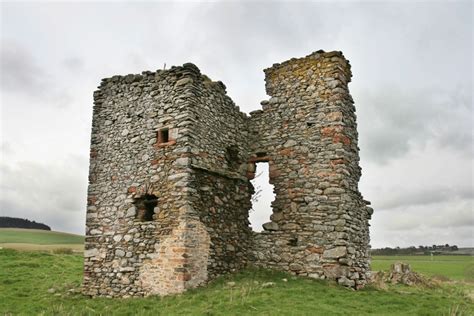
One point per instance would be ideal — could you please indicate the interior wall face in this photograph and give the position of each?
(218, 162)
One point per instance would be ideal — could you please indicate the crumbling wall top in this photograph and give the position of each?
(303, 69)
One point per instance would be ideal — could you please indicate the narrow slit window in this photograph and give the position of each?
(163, 136)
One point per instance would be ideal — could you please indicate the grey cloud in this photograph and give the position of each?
(6, 148)
(74, 64)
(393, 121)
(426, 196)
(424, 235)
(20, 71)
(446, 222)
(54, 194)
(59, 221)
(463, 216)
(453, 214)
(22, 78)
(236, 41)
(412, 89)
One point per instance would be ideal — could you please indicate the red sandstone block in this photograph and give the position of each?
(183, 277)
(314, 249)
(259, 159)
(335, 162)
(179, 250)
(91, 200)
(273, 173)
(334, 116)
(325, 174)
(341, 138)
(170, 143)
(286, 152)
(331, 130)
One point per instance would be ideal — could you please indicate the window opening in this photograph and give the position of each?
(145, 207)
(232, 157)
(163, 136)
(293, 241)
(262, 198)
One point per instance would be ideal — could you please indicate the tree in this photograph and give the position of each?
(258, 191)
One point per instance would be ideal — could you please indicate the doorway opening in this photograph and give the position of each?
(262, 198)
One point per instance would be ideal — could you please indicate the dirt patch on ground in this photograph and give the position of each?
(34, 247)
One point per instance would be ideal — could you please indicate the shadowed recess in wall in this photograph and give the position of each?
(146, 207)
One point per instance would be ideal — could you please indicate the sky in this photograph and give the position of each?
(412, 86)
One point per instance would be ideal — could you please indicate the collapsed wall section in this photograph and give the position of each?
(307, 133)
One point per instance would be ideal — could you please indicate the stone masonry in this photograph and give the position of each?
(171, 161)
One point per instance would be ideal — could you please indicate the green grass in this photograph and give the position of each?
(25, 278)
(39, 237)
(452, 267)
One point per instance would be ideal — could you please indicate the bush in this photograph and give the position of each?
(63, 251)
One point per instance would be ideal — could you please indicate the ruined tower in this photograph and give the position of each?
(169, 190)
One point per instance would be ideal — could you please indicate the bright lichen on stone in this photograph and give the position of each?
(174, 135)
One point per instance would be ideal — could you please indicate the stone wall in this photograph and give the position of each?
(307, 133)
(195, 171)
(169, 191)
(220, 192)
(126, 163)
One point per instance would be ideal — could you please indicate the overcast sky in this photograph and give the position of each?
(412, 85)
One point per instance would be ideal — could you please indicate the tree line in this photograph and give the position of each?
(414, 250)
(14, 222)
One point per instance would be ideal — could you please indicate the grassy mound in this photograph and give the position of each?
(34, 283)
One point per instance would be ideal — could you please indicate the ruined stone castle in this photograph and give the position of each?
(171, 161)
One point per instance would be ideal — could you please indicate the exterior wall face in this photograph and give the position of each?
(126, 163)
(174, 143)
(307, 132)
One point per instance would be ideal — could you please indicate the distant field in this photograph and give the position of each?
(453, 267)
(34, 239)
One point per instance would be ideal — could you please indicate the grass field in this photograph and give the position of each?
(452, 267)
(41, 283)
(26, 277)
(35, 239)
